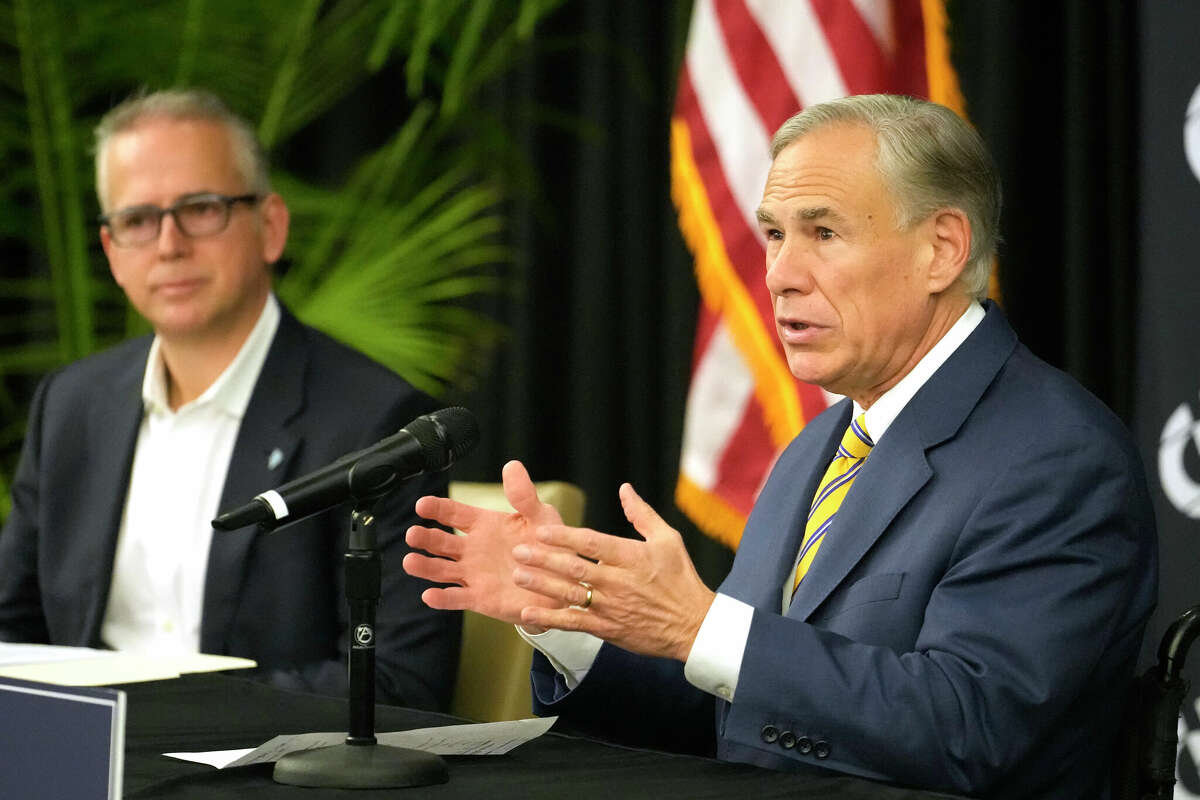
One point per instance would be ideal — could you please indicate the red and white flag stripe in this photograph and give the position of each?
(749, 65)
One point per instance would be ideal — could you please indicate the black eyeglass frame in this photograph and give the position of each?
(228, 201)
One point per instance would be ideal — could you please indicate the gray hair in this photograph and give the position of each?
(929, 158)
(249, 159)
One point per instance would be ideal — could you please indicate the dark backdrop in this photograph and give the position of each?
(590, 387)
(1052, 87)
(1168, 362)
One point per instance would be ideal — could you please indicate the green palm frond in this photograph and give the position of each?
(51, 132)
(387, 265)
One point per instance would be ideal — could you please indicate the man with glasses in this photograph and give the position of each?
(130, 453)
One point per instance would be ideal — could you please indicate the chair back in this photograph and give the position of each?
(1144, 766)
(493, 670)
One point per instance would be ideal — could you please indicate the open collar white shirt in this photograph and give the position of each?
(179, 465)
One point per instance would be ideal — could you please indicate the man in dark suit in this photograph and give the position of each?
(945, 579)
(130, 453)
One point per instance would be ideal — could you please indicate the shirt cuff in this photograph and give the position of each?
(715, 661)
(571, 653)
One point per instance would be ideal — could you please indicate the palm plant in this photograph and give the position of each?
(382, 260)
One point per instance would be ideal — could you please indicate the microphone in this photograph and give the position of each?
(429, 443)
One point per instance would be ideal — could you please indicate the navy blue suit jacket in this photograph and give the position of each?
(277, 598)
(972, 618)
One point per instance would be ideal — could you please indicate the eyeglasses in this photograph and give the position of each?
(195, 215)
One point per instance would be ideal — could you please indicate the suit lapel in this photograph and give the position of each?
(796, 508)
(262, 455)
(776, 525)
(112, 436)
(891, 475)
(898, 467)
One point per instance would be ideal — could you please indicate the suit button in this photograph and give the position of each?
(769, 734)
(787, 740)
(821, 749)
(804, 745)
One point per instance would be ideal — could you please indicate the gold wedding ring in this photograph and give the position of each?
(587, 601)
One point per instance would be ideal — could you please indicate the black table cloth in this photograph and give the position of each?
(221, 712)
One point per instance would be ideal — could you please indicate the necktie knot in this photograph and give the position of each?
(856, 442)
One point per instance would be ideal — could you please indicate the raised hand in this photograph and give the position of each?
(479, 566)
(645, 595)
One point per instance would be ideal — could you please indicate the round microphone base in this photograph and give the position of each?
(361, 766)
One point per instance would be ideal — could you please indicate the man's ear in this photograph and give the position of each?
(275, 221)
(951, 240)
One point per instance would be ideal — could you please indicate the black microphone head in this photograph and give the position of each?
(445, 436)
(255, 511)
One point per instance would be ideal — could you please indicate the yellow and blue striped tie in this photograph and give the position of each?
(855, 447)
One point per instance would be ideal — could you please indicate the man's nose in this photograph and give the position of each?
(788, 269)
(171, 240)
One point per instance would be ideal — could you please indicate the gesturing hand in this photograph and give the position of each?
(646, 596)
(479, 565)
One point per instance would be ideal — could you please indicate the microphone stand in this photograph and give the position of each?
(361, 762)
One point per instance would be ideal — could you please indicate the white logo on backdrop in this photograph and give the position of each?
(1181, 431)
(1181, 489)
(1191, 133)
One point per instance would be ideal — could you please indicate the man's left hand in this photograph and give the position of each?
(645, 595)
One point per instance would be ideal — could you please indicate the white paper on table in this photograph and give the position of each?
(14, 653)
(82, 666)
(474, 739)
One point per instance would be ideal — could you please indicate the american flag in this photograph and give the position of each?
(749, 65)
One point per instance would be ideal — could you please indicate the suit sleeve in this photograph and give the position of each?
(630, 699)
(21, 617)
(1042, 600)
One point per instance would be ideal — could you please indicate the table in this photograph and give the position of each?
(221, 712)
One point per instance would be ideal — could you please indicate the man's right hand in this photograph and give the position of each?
(479, 566)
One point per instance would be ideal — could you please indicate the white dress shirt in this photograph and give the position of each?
(715, 661)
(175, 483)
